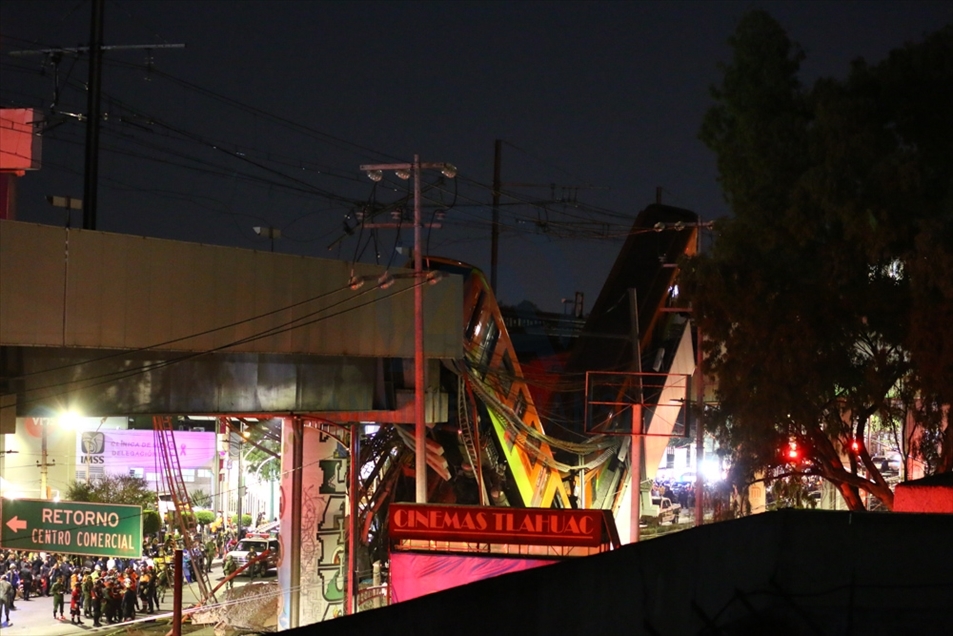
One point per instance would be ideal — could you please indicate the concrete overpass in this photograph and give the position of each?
(113, 324)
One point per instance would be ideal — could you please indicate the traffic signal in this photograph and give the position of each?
(855, 446)
(793, 452)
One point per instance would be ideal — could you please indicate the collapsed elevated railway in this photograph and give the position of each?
(634, 358)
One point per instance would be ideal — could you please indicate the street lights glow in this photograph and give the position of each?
(69, 419)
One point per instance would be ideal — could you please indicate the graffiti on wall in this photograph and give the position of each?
(323, 504)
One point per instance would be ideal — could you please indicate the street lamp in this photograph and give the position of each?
(405, 171)
(44, 463)
(269, 233)
(243, 435)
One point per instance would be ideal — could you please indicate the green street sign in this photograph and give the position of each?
(72, 527)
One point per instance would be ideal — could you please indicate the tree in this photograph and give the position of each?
(823, 301)
(263, 448)
(201, 499)
(151, 522)
(119, 489)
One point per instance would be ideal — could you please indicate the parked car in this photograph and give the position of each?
(260, 544)
(658, 510)
(887, 465)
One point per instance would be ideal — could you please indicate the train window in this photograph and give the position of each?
(474, 324)
(520, 406)
(509, 372)
(532, 450)
(489, 346)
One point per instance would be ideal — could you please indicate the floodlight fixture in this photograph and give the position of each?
(385, 280)
(355, 282)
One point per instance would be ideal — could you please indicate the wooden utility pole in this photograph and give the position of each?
(495, 231)
(93, 93)
(93, 101)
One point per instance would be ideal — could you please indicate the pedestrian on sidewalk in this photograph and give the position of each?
(210, 551)
(96, 598)
(75, 606)
(58, 589)
(228, 568)
(6, 598)
(87, 587)
(129, 601)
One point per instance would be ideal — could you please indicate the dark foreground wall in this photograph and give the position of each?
(787, 572)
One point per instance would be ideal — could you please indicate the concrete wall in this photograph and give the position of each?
(786, 572)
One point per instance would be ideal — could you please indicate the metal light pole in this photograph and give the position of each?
(45, 463)
(241, 478)
(420, 425)
(699, 421)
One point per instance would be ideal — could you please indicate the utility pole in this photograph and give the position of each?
(93, 99)
(700, 388)
(93, 95)
(405, 170)
(241, 477)
(495, 232)
(635, 517)
(45, 463)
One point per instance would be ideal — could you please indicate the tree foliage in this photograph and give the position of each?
(151, 522)
(113, 489)
(826, 301)
(201, 499)
(262, 445)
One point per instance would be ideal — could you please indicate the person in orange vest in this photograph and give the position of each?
(129, 601)
(76, 599)
(132, 579)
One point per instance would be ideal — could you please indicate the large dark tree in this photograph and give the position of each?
(826, 301)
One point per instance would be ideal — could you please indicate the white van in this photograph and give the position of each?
(240, 553)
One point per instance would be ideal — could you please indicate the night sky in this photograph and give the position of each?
(266, 114)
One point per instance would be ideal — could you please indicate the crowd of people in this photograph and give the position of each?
(95, 588)
(108, 590)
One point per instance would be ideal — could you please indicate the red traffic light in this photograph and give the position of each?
(793, 453)
(855, 446)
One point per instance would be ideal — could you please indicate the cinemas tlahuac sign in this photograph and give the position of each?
(525, 526)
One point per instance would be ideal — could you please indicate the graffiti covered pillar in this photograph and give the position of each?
(312, 563)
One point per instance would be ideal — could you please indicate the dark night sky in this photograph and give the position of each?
(295, 95)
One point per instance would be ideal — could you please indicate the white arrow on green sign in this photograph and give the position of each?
(71, 527)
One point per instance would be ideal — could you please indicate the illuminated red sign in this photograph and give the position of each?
(525, 526)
